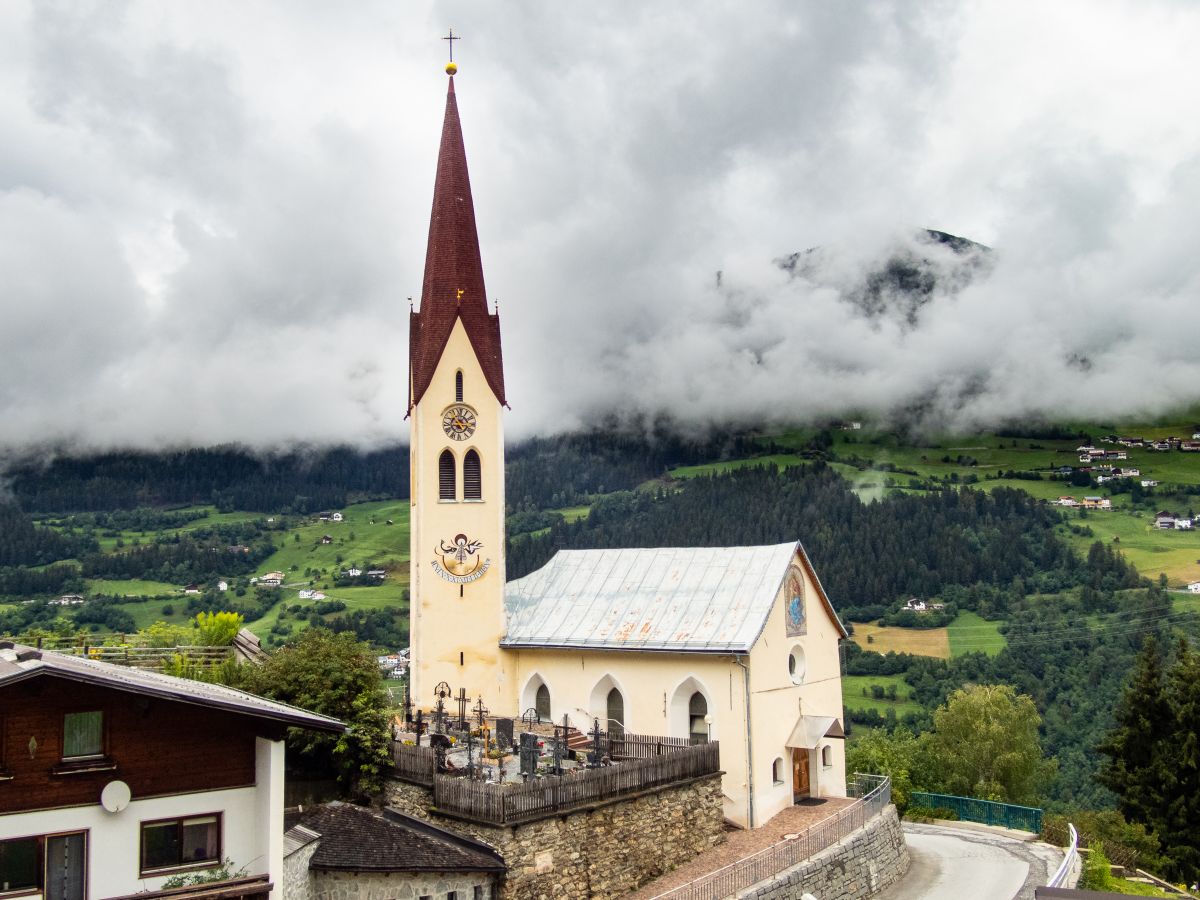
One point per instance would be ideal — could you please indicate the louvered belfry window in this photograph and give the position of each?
(447, 488)
(458, 393)
(472, 477)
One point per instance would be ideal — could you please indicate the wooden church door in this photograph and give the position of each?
(800, 785)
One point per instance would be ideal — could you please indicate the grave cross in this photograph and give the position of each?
(481, 712)
(462, 702)
(594, 756)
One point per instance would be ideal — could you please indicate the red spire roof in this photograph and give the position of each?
(453, 287)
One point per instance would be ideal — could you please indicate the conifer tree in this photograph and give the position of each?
(1180, 826)
(1137, 770)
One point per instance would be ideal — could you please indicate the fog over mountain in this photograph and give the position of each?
(212, 215)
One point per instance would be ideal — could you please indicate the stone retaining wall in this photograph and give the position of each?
(857, 867)
(604, 852)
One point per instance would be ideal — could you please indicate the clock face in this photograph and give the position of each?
(794, 598)
(459, 422)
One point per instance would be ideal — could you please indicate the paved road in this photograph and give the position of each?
(953, 864)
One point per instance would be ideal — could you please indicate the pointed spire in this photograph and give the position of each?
(453, 286)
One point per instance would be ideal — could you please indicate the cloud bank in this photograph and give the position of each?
(212, 216)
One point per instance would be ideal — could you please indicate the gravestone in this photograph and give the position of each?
(529, 754)
(504, 733)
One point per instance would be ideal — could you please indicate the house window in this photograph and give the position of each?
(472, 477)
(777, 771)
(447, 483)
(21, 864)
(458, 394)
(174, 843)
(827, 756)
(53, 865)
(477, 892)
(698, 719)
(451, 895)
(83, 734)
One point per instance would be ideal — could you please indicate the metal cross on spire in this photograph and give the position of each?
(451, 37)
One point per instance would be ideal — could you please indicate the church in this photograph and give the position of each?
(735, 644)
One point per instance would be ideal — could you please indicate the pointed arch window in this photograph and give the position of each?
(542, 703)
(447, 482)
(458, 390)
(698, 719)
(616, 714)
(472, 477)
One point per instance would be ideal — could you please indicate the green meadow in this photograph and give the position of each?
(969, 632)
(853, 697)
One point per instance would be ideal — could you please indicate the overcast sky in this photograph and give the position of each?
(212, 214)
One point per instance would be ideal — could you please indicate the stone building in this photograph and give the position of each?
(342, 852)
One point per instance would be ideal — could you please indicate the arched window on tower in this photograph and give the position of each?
(472, 477)
(447, 486)
(458, 395)
(542, 703)
(698, 719)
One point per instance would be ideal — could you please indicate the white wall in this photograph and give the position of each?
(114, 839)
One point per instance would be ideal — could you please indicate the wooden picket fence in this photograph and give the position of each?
(513, 804)
(643, 746)
(415, 764)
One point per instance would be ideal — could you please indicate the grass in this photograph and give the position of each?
(970, 632)
(1153, 551)
(918, 641)
(853, 697)
(134, 588)
(782, 460)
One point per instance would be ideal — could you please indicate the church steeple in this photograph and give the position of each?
(453, 287)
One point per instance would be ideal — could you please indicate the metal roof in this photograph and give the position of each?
(18, 663)
(691, 599)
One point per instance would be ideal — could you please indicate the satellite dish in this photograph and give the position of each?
(115, 796)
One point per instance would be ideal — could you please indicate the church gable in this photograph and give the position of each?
(801, 597)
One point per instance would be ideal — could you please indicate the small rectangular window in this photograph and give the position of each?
(172, 843)
(21, 864)
(451, 895)
(83, 734)
(478, 894)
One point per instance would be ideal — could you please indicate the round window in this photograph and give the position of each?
(796, 665)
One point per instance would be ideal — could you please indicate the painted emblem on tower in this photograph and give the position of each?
(459, 561)
(794, 598)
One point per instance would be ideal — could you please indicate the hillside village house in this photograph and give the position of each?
(731, 644)
(1194, 587)
(113, 779)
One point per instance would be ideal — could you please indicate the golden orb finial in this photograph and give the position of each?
(451, 68)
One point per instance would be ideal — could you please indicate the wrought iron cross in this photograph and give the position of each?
(451, 37)
(481, 712)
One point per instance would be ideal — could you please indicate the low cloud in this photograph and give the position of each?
(211, 219)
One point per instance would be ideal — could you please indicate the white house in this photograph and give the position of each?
(222, 586)
(116, 779)
(1183, 524)
(337, 517)
(1065, 501)
(1149, 482)
(1194, 587)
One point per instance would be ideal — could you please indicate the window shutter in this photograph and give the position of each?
(472, 477)
(447, 488)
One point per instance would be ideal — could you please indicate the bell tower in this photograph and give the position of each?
(456, 398)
